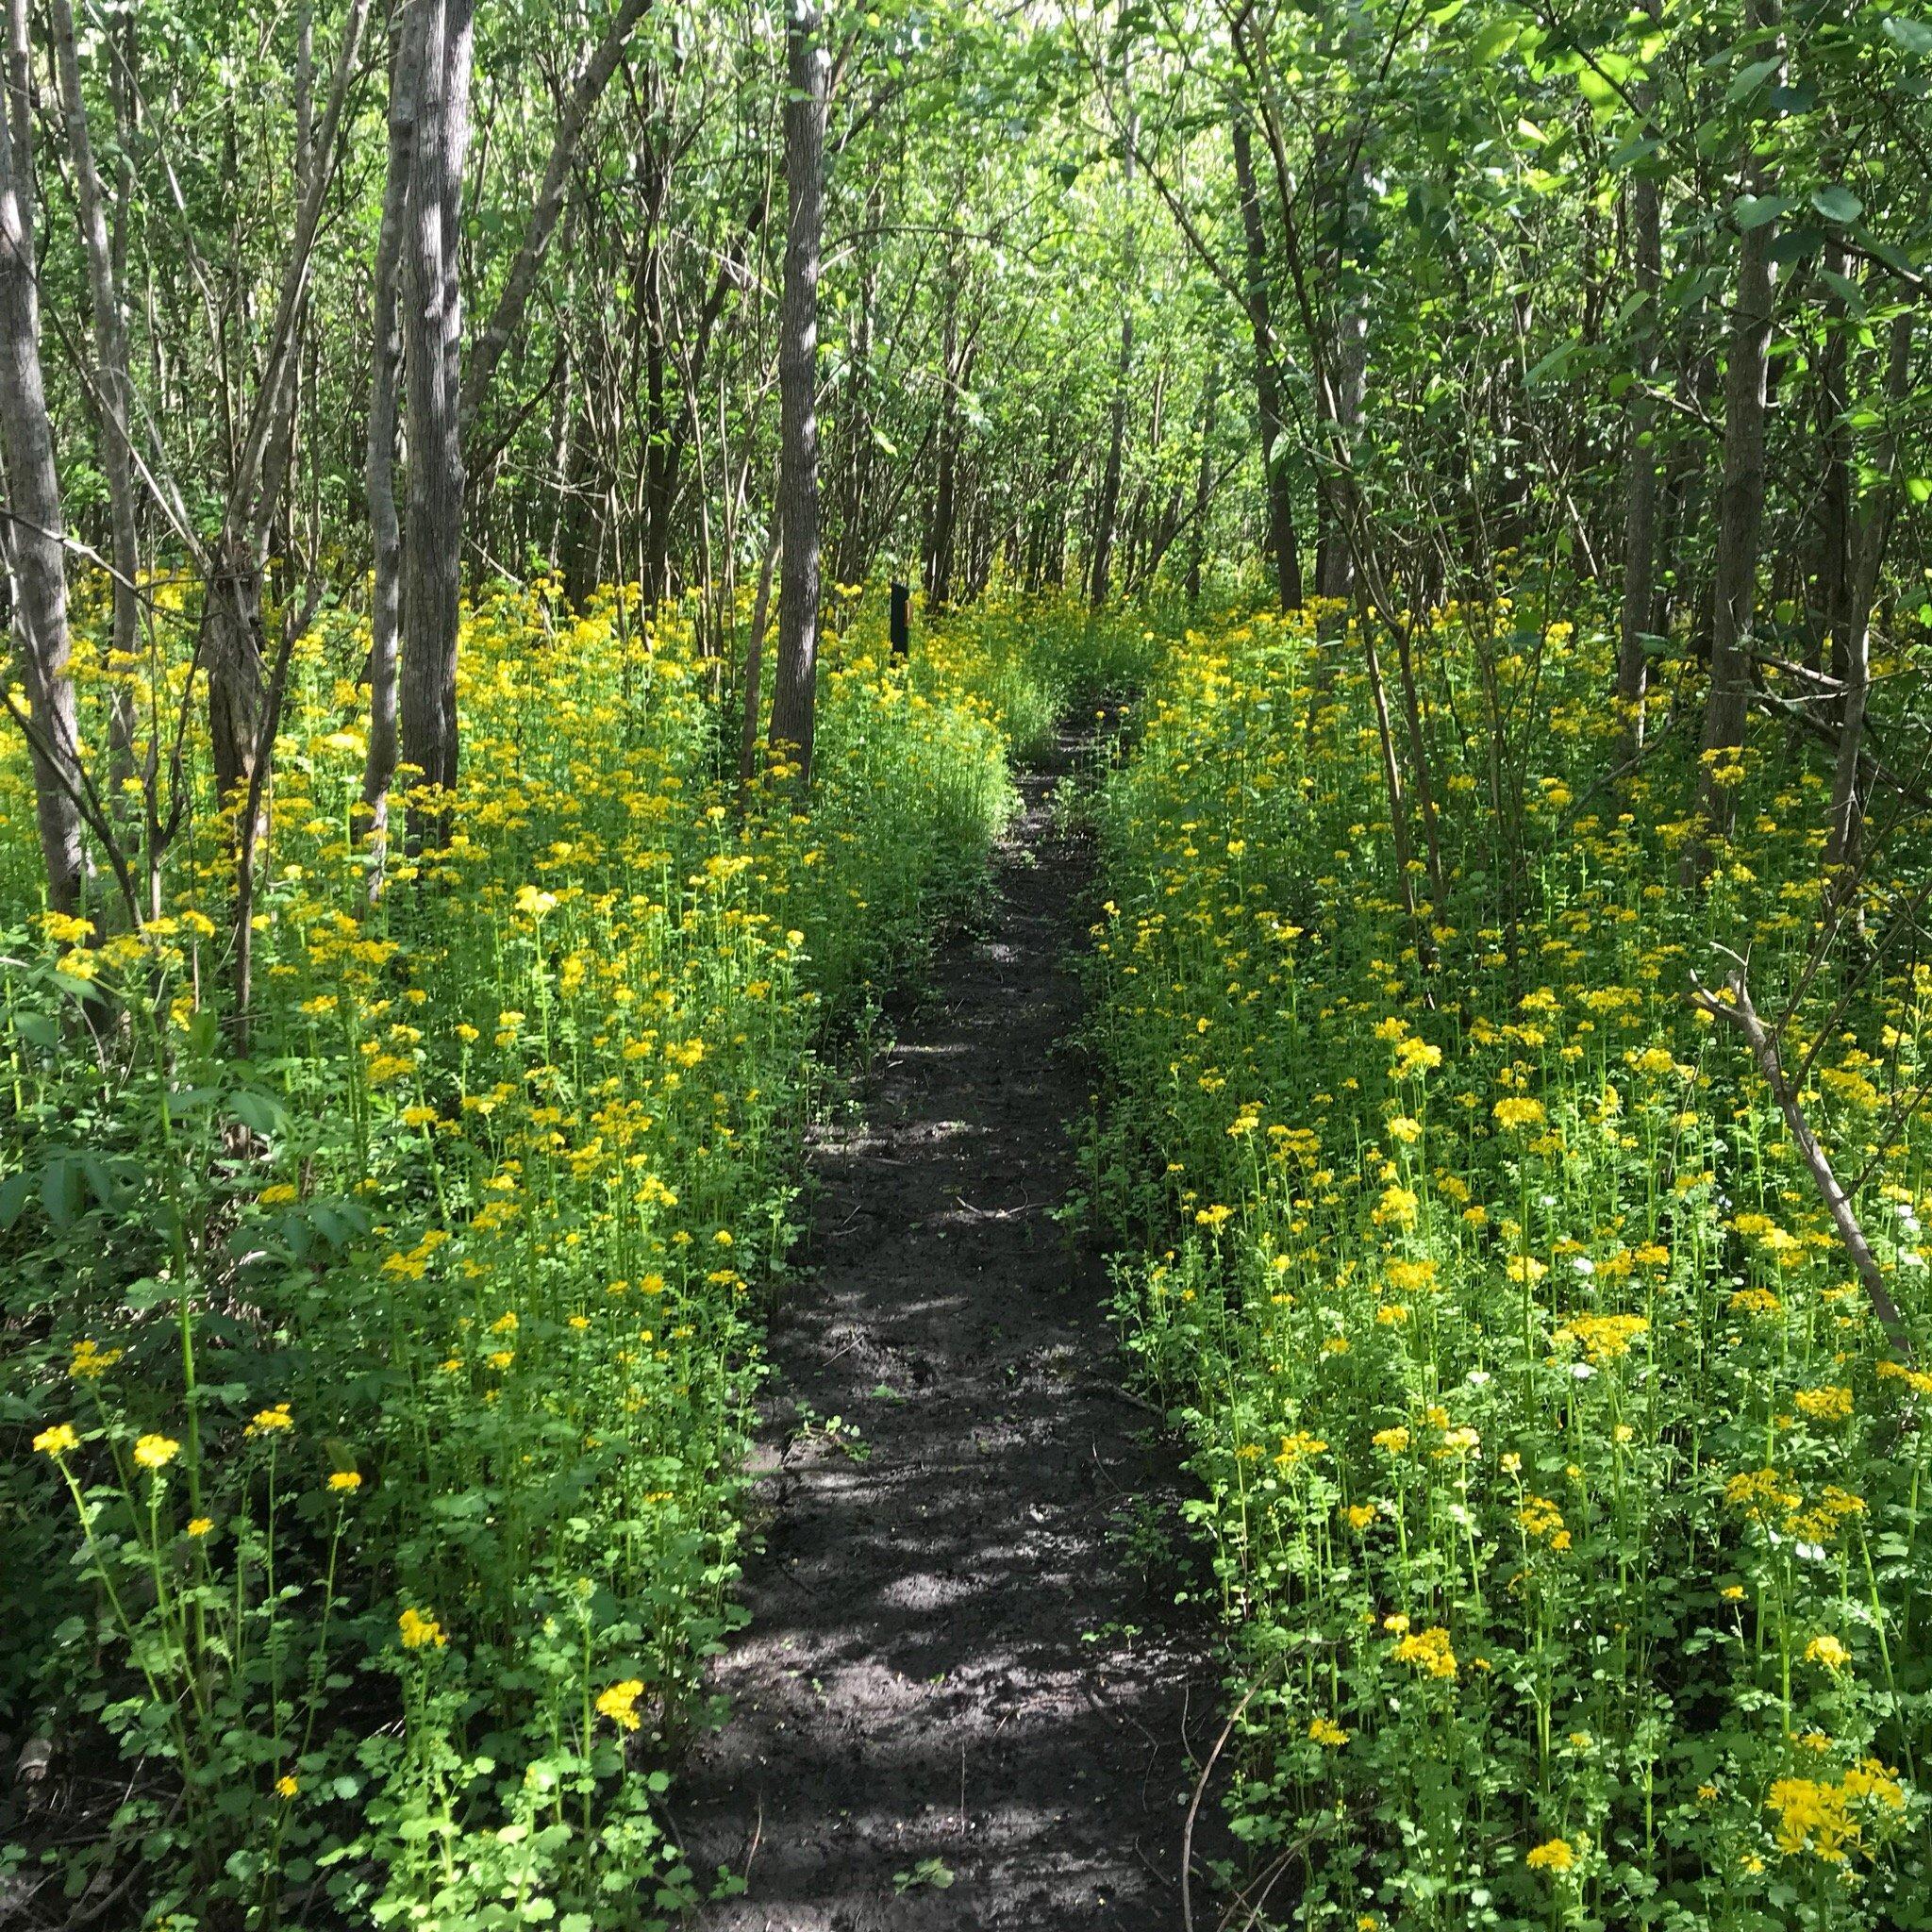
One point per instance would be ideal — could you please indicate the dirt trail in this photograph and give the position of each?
(955, 1652)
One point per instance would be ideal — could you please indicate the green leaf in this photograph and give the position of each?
(261, 1113)
(1914, 36)
(1596, 90)
(14, 1192)
(62, 1187)
(1637, 148)
(38, 1029)
(1495, 41)
(1553, 364)
(1753, 77)
(1753, 210)
(1837, 204)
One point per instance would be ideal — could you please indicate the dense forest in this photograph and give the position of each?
(580, 573)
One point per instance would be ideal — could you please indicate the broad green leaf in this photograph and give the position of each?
(1753, 210)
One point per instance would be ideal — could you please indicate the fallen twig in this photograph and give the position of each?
(1194, 1804)
(1738, 1012)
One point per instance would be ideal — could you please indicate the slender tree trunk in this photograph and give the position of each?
(1204, 480)
(379, 458)
(1846, 829)
(1351, 378)
(940, 544)
(1640, 480)
(231, 649)
(1835, 565)
(1392, 769)
(807, 67)
(755, 666)
(1741, 512)
(35, 531)
(114, 393)
(854, 551)
(432, 570)
(1284, 547)
(1107, 503)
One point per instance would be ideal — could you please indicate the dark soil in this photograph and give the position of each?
(963, 1642)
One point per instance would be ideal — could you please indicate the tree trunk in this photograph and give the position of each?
(114, 393)
(1204, 481)
(380, 461)
(755, 667)
(1846, 829)
(939, 541)
(1641, 482)
(231, 651)
(1740, 514)
(35, 533)
(1832, 618)
(1106, 505)
(807, 68)
(1283, 546)
(433, 536)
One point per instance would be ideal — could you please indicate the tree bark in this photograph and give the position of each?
(35, 531)
(1284, 547)
(807, 67)
(433, 536)
(1204, 480)
(1832, 618)
(1741, 512)
(1107, 503)
(755, 667)
(941, 541)
(1640, 480)
(1846, 829)
(113, 389)
(385, 530)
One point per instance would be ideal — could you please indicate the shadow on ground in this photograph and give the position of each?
(959, 1651)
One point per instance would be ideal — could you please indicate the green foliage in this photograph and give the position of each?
(1562, 1488)
(392, 1388)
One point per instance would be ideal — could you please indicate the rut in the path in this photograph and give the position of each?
(958, 1652)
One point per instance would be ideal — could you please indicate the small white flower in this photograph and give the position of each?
(1582, 1371)
(1584, 1265)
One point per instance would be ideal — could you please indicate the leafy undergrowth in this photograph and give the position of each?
(1564, 1488)
(391, 1386)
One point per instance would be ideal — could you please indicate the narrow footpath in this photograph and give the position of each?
(965, 1698)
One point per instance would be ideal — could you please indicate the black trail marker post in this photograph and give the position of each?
(902, 622)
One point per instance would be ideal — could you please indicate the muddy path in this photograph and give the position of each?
(964, 1644)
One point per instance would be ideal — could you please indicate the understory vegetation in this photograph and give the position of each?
(1564, 1484)
(391, 1385)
